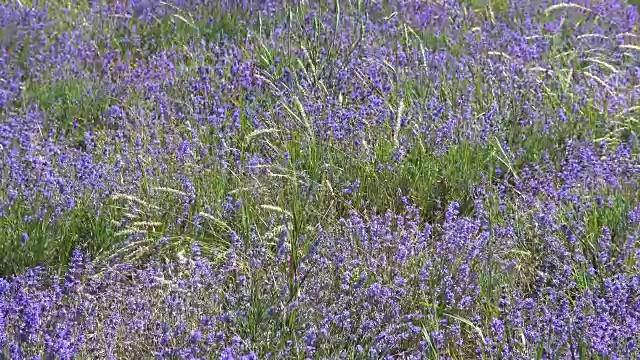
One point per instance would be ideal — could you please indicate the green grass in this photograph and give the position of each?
(72, 105)
(52, 243)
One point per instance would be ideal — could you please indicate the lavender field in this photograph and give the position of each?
(319, 179)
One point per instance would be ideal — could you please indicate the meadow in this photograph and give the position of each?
(319, 179)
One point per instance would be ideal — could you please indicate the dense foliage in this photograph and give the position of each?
(362, 179)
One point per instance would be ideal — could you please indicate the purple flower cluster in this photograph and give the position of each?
(382, 286)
